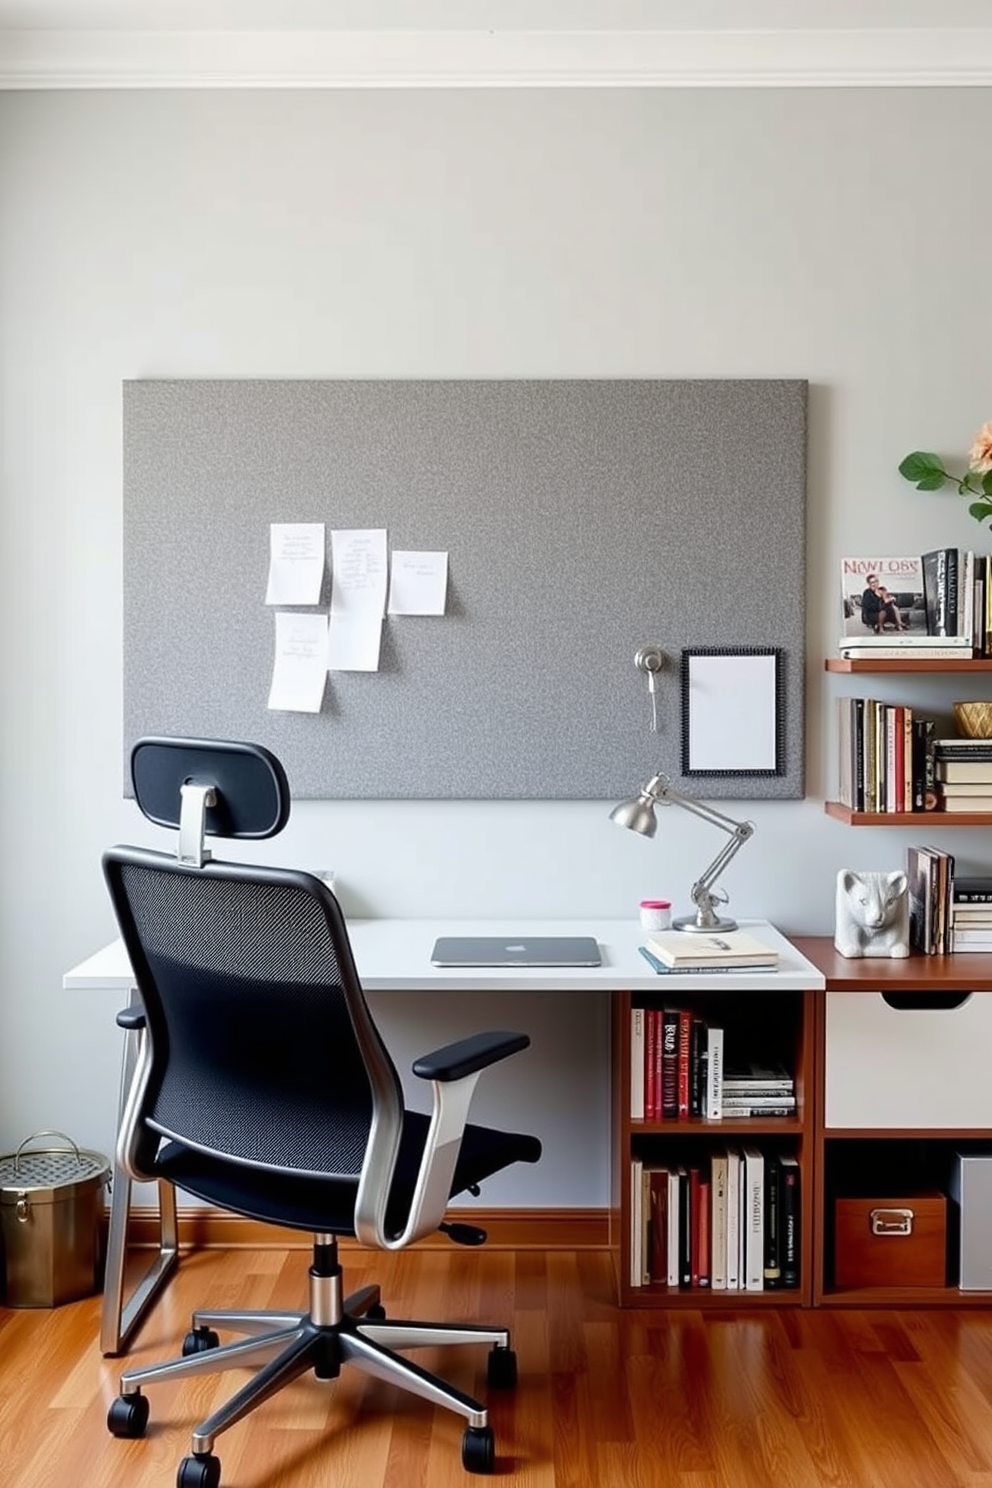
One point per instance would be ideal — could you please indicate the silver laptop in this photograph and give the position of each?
(522, 950)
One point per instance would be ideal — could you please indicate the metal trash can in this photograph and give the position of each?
(51, 1223)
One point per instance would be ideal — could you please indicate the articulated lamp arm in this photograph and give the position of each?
(639, 815)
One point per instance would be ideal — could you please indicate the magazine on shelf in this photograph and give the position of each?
(883, 598)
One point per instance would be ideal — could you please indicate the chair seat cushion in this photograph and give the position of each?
(302, 1202)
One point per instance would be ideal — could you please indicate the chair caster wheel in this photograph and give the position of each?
(501, 1369)
(128, 1416)
(376, 1313)
(199, 1472)
(199, 1340)
(478, 1450)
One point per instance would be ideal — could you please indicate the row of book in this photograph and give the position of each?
(936, 604)
(948, 913)
(678, 1072)
(731, 1223)
(890, 760)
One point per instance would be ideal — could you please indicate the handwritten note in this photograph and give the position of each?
(296, 563)
(300, 670)
(358, 598)
(418, 583)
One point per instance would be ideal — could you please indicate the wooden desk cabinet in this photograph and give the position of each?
(893, 1078)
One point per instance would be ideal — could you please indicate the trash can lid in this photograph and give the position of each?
(43, 1170)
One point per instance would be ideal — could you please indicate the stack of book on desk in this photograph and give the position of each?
(971, 913)
(733, 950)
(758, 1090)
(963, 774)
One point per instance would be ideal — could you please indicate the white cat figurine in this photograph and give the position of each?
(872, 914)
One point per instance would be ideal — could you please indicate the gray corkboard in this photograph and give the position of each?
(582, 518)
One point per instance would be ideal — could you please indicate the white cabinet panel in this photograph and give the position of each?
(922, 1067)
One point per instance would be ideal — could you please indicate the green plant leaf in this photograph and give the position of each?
(987, 482)
(980, 510)
(932, 482)
(921, 466)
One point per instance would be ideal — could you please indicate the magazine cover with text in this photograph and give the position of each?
(882, 596)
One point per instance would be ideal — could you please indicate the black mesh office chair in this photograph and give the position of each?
(262, 1086)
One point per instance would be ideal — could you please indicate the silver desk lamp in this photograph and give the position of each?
(639, 816)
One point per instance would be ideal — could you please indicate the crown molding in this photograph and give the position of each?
(799, 58)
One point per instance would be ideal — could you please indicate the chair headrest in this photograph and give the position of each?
(251, 792)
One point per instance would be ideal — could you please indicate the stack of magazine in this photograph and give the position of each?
(934, 605)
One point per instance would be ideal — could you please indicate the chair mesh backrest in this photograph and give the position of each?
(252, 1000)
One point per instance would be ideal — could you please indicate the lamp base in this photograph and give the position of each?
(713, 926)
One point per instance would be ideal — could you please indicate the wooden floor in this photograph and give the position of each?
(633, 1399)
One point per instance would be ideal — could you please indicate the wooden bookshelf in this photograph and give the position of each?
(908, 664)
(790, 1018)
(930, 819)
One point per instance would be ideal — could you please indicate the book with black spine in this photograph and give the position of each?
(972, 888)
(791, 1216)
(924, 794)
(743, 1074)
(697, 1066)
(773, 1231)
(940, 589)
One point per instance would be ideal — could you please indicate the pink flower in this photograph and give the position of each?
(980, 458)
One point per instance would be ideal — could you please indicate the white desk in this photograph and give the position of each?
(394, 956)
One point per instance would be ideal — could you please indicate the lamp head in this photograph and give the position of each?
(637, 814)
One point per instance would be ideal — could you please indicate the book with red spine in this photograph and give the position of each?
(670, 1063)
(652, 1095)
(684, 1063)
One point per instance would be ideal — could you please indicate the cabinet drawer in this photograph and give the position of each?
(907, 1067)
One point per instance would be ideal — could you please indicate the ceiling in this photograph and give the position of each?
(480, 43)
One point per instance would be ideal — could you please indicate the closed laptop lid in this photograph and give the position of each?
(520, 950)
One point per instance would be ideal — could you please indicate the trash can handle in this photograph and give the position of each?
(35, 1137)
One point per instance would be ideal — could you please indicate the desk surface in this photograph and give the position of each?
(394, 956)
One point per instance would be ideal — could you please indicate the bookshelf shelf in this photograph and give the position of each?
(908, 664)
(730, 1128)
(930, 819)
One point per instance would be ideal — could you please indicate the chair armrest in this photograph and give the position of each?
(454, 1072)
(469, 1055)
(131, 1018)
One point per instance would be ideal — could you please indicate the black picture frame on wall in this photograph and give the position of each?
(733, 711)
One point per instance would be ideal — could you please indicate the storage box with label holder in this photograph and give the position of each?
(890, 1242)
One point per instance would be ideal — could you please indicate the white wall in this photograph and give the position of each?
(840, 236)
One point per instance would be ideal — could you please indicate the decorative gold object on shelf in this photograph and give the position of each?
(974, 720)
